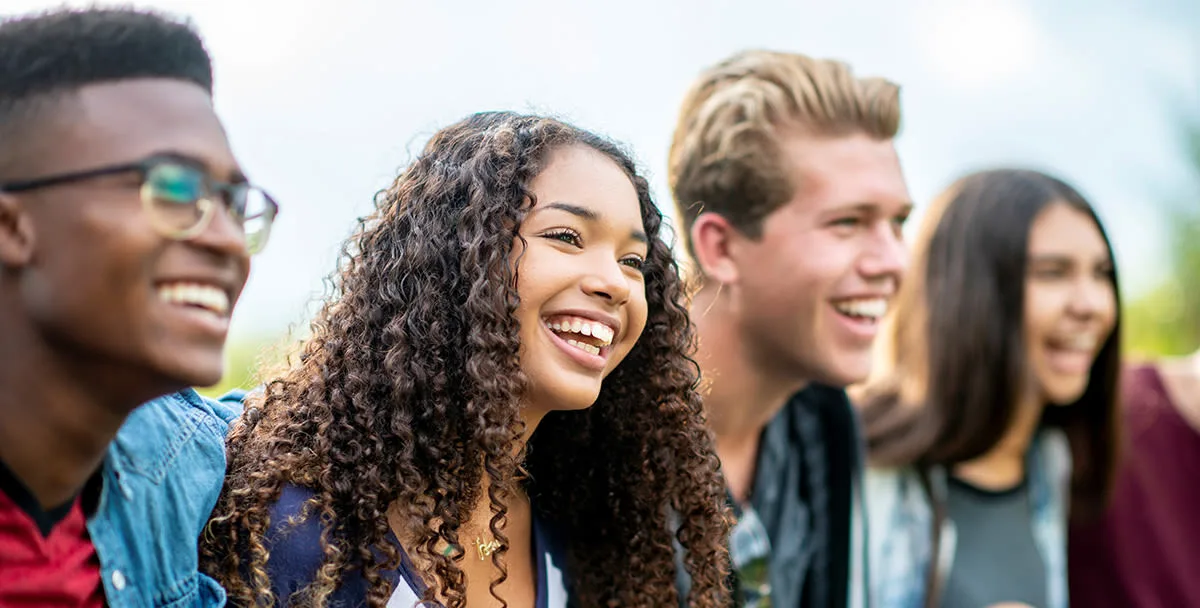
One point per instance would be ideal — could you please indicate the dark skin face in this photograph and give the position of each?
(89, 333)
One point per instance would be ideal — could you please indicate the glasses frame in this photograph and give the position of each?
(207, 203)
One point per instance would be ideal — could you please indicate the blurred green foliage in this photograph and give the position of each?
(1165, 320)
(244, 358)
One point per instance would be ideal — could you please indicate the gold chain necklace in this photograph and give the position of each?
(484, 550)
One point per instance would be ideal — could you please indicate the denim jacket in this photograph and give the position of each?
(161, 479)
(900, 518)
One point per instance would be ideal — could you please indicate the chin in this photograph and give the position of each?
(198, 371)
(575, 402)
(567, 398)
(847, 372)
(1065, 395)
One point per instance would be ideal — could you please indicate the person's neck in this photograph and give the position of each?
(1003, 466)
(476, 529)
(740, 398)
(57, 415)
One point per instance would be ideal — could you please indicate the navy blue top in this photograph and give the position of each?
(295, 556)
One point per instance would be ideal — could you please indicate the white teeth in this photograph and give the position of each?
(575, 325)
(872, 308)
(1082, 342)
(207, 297)
(587, 348)
(603, 333)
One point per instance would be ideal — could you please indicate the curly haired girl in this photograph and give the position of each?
(497, 406)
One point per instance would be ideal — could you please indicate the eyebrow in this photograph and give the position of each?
(1050, 258)
(1062, 259)
(872, 208)
(591, 215)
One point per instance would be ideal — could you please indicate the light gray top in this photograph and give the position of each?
(996, 557)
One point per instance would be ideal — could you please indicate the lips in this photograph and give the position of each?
(1072, 353)
(585, 336)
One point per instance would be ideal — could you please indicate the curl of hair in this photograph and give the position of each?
(406, 400)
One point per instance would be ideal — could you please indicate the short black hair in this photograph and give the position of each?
(47, 55)
(67, 49)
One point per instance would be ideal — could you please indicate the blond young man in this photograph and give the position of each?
(789, 188)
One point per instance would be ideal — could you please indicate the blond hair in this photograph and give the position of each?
(725, 155)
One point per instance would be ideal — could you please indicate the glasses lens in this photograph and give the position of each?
(171, 192)
(259, 212)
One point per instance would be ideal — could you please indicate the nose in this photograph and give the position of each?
(223, 236)
(887, 257)
(607, 280)
(1091, 296)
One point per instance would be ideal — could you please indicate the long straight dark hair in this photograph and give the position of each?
(954, 357)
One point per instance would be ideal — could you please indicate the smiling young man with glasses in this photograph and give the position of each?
(126, 229)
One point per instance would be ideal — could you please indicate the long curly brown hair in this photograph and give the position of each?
(407, 396)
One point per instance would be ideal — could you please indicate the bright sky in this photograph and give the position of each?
(325, 101)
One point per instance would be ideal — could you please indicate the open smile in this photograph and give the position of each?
(862, 315)
(204, 304)
(586, 341)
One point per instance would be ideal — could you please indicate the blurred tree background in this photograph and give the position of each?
(1165, 320)
(243, 359)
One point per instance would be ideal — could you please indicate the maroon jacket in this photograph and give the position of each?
(1145, 552)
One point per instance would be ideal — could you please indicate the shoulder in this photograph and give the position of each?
(185, 407)
(897, 500)
(889, 485)
(293, 542)
(182, 428)
(162, 476)
(294, 535)
(1143, 390)
(1158, 396)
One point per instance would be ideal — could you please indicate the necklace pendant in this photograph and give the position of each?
(486, 549)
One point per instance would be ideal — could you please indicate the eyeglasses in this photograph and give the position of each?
(181, 199)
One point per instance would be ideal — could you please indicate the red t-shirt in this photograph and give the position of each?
(47, 559)
(1145, 552)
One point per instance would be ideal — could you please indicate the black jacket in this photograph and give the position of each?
(807, 493)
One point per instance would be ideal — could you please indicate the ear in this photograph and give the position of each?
(712, 239)
(16, 233)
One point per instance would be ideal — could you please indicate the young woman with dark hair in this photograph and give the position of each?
(991, 420)
(496, 407)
